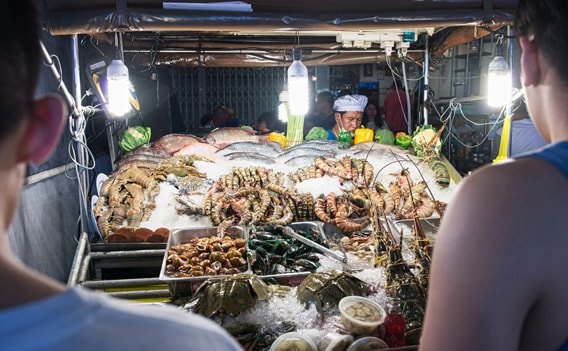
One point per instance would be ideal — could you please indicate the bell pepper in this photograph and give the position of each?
(277, 137)
(404, 141)
(363, 135)
(345, 138)
(400, 134)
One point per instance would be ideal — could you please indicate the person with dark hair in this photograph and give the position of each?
(37, 312)
(395, 108)
(224, 117)
(324, 109)
(206, 120)
(324, 115)
(372, 117)
(497, 280)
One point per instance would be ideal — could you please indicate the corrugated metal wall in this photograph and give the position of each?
(249, 91)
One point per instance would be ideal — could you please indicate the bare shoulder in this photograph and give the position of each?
(517, 204)
(495, 255)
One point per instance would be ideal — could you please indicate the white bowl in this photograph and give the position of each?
(368, 343)
(293, 342)
(372, 314)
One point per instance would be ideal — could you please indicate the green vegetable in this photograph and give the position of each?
(384, 136)
(345, 139)
(404, 141)
(424, 137)
(317, 133)
(134, 137)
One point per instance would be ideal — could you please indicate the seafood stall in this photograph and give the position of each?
(288, 244)
(270, 241)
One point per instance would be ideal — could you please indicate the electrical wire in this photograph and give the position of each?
(397, 94)
(393, 71)
(453, 109)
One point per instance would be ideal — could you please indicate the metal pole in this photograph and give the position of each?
(408, 116)
(426, 80)
(510, 44)
(81, 151)
(62, 86)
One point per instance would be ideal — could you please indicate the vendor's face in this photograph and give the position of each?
(350, 120)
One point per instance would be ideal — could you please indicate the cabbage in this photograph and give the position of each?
(384, 136)
(422, 137)
(317, 133)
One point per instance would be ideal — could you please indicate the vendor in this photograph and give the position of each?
(348, 114)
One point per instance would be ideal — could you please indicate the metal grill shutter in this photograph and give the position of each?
(248, 91)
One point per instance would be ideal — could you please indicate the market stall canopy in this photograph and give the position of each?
(181, 36)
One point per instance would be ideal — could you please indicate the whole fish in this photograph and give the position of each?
(250, 156)
(301, 161)
(248, 146)
(201, 149)
(295, 152)
(172, 143)
(223, 136)
(370, 145)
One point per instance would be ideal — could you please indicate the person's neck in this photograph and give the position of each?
(20, 284)
(554, 103)
(335, 130)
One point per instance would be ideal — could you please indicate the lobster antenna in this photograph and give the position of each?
(422, 176)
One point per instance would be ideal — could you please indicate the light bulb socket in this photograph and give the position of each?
(297, 54)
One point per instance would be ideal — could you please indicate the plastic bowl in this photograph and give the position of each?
(360, 315)
(368, 343)
(335, 342)
(293, 342)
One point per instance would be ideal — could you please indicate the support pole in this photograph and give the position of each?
(66, 94)
(82, 155)
(426, 80)
(408, 109)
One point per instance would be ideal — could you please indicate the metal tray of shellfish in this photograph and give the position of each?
(195, 255)
(295, 278)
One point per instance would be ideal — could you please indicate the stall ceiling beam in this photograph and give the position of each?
(159, 20)
(312, 7)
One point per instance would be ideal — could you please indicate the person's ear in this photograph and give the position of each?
(530, 63)
(337, 118)
(44, 129)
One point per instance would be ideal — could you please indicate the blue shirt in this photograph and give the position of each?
(557, 155)
(330, 135)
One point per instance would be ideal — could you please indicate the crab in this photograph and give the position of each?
(327, 288)
(231, 295)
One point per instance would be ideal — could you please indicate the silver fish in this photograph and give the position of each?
(247, 146)
(369, 145)
(285, 156)
(320, 145)
(301, 161)
(250, 156)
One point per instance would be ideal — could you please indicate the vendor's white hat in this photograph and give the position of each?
(350, 103)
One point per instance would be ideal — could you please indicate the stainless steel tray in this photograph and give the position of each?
(187, 285)
(295, 278)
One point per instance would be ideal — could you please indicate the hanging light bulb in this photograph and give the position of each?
(499, 84)
(118, 89)
(298, 86)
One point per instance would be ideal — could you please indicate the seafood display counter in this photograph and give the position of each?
(266, 240)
